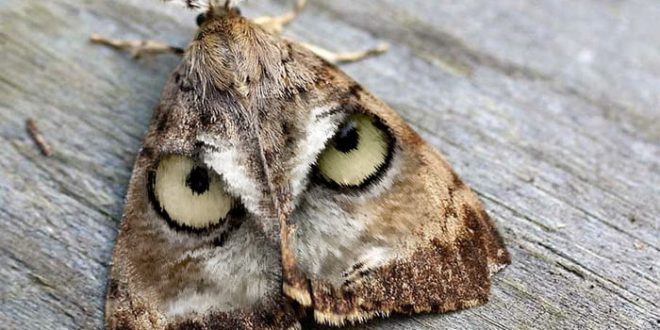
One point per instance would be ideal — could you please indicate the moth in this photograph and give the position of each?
(271, 186)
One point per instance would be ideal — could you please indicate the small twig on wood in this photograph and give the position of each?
(32, 129)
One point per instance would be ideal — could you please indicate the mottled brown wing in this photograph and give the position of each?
(165, 275)
(176, 265)
(414, 239)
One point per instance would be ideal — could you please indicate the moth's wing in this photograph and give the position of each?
(166, 276)
(150, 290)
(417, 239)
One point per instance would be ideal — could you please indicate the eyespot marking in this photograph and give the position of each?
(187, 194)
(357, 155)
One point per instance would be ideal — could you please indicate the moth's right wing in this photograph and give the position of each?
(387, 226)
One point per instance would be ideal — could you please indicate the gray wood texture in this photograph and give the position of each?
(549, 109)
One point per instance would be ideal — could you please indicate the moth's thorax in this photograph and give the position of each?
(230, 53)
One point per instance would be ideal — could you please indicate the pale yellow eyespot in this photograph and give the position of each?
(189, 194)
(357, 152)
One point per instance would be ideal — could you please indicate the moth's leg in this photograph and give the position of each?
(345, 57)
(275, 24)
(137, 48)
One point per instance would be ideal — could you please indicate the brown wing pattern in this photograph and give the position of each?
(435, 246)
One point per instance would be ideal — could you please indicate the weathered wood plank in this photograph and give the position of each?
(549, 109)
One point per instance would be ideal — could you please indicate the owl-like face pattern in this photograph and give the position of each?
(265, 167)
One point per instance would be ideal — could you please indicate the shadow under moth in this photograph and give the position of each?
(271, 186)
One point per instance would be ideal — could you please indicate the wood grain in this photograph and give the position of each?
(549, 109)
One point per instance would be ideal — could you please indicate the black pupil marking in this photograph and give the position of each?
(198, 180)
(347, 138)
(200, 19)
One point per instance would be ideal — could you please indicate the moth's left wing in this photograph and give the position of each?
(188, 254)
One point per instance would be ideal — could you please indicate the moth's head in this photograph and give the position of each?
(213, 13)
(215, 6)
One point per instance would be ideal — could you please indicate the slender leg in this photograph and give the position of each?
(137, 48)
(347, 57)
(275, 24)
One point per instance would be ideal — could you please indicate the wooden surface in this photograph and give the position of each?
(550, 109)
